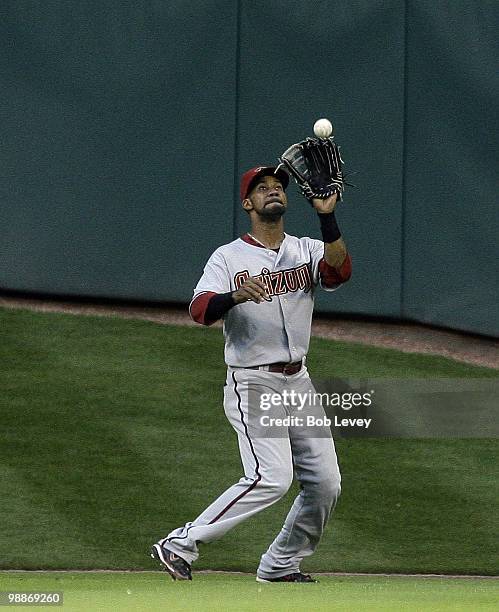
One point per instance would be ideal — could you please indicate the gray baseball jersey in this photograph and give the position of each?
(277, 330)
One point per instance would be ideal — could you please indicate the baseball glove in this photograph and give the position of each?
(316, 166)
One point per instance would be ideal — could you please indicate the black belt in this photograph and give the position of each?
(281, 367)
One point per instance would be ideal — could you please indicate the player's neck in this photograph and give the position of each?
(268, 234)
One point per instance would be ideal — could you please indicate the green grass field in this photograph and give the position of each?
(222, 593)
(112, 433)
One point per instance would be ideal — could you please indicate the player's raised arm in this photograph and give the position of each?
(317, 167)
(335, 250)
(335, 265)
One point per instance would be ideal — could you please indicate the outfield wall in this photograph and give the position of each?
(126, 124)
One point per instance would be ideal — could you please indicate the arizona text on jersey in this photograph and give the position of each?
(277, 330)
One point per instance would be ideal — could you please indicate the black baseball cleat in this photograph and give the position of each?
(177, 567)
(295, 577)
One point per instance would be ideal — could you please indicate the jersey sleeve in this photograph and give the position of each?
(214, 280)
(324, 275)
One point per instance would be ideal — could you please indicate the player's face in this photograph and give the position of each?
(267, 198)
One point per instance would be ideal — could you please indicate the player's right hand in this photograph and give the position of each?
(252, 290)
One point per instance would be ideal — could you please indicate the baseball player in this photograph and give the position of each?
(262, 285)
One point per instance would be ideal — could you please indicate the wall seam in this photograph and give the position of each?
(404, 162)
(235, 198)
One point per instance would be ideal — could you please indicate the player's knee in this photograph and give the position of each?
(329, 489)
(283, 485)
(277, 487)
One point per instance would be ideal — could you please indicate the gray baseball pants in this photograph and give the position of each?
(268, 464)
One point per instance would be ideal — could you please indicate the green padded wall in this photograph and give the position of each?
(451, 254)
(117, 153)
(125, 126)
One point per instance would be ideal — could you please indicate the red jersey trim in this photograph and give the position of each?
(198, 306)
(335, 276)
(247, 238)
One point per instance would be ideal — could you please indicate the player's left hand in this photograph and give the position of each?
(325, 206)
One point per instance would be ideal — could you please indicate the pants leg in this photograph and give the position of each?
(267, 463)
(317, 470)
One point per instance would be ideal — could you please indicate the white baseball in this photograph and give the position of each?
(323, 128)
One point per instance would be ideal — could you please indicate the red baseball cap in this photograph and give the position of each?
(250, 176)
